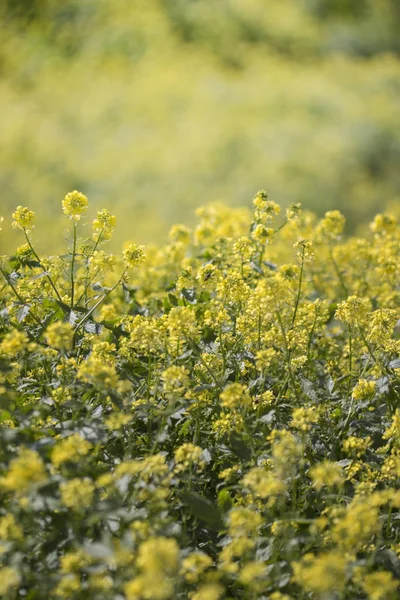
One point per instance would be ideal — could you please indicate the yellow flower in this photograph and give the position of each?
(23, 218)
(304, 418)
(14, 343)
(93, 370)
(305, 250)
(117, 420)
(74, 205)
(353, 311)
(333, 223)
(188, 454)
(9, 580)
(77, 493)
(250, 573)
(103, 225)
(158, 555)
(133, 255)
(326, 474)
(321, 574)
(355, 446)
(25, 472)
(380, 585)
(357, 526)
(68, 586)
(235, 396)
(74, 561)
(194, 565)
(262, 234)
(60, 335)
(243, 521)
(70, 449)
(383, 224)
(364, 389)
(9, 528)
(175, 378)
(264, 484)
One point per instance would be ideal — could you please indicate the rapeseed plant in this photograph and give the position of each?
(218, 418)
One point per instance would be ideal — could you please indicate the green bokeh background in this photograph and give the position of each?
(154, 107)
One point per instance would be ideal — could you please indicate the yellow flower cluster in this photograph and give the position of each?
(223, 422)
(74, 205)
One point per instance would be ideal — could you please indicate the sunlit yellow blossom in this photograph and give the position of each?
(68, 586)
(194, 565)
(9, 528)
(357, 526)
(103, 225)
(304, 250)
(77, 493)
(262, 234)
(235, 396)
(118, 420)
(364, 389)
(25, 472)
(383, 223)
(74, 561)
(101, 261)
(326, 474)
(179, 233)
(94, 370)
(250, 572)
(264, 484)
(208, 591)
(354, 310)
(304, 418)
(13, 343)
(321, 574)
(9, 580)
(70, 449)
(188, 454)
(74, 205)
(333, 223)
(23, 218)
(59, 335)
(355, 446)
(175, 378)
(380, 585)
(243, 521)
(133, 255)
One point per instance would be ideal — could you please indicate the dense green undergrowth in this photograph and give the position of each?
(214, 418)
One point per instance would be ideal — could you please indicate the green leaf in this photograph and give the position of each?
(225, 501)
(203, 509)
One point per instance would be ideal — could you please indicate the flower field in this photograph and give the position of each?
(215, 418)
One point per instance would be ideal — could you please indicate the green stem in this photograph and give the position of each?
(100, 301)
(42, 267)
(17, 294)
(72, 268)
(296, 307)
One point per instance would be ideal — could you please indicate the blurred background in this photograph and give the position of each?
(154, 107)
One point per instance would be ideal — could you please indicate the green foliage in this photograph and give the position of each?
(155, 107)
(218, 417)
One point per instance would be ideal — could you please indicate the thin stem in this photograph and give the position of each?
(338, 271)
(42, 267)
(17, 294)
(91, 311)
(296, 307)
(72, 268)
